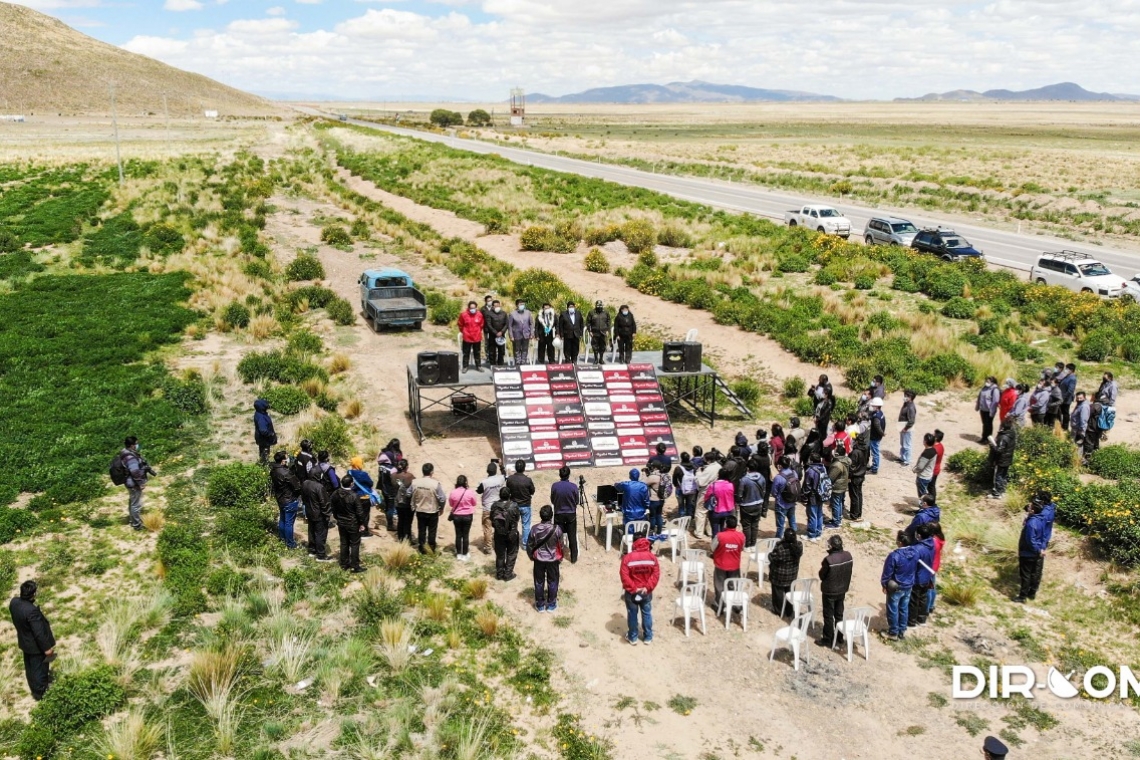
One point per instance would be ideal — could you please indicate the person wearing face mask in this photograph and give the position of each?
(496, 323)
(471, 326)
(485, 310)
(599, 324)
(625, 329)
(570, 331)
(521, 328)
(545, 326)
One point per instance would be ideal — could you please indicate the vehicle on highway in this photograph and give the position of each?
(946, 244)
(389, 298)
(821, 219)
(889, 230)
(1133, 287)
(1079, 272)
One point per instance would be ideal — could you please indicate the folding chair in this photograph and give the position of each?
(800, 598)
(759, 554)
(677, 532)
(631, 530)
(737, 593)
(793, 636)
(691, 604)
(693, 564)
(856, 622)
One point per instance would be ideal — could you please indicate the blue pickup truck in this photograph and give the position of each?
(389, 298)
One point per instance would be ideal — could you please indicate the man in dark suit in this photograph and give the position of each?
(570, 328)
(34, 636)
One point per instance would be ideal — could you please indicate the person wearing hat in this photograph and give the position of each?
(876, 433)
(599, 326)
(835, 582)
(34, 637)
(570, 328)
(994, 749)
(634, 499)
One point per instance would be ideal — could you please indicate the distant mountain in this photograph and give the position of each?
(1063, 91)
(680, 92)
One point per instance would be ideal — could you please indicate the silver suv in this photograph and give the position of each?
(889, 230)
(1077, 272)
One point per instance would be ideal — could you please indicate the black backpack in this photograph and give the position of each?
(792, 489)
(119, 472)
(500, 518)
(301, 466)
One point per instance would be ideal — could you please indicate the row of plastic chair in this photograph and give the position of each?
(676, 533)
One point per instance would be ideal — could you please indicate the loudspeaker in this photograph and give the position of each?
(448, 367)
(692, 357)
(427, 368)
(464, 405)
(673, 357)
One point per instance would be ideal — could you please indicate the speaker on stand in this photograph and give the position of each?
(673, 357)
(692, 353)
(427, 368)
(448, 367)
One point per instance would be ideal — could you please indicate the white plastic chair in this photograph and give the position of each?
(677, 531)
(693, 564)
(800, 598)
(691, 604)
(631, 530)
(759, 554)
(856, 622)
(793, 636)
(737, 593)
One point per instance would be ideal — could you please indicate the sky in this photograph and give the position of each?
(477, 50)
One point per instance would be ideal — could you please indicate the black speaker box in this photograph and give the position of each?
(464, 404)
(692, 357)
(448, 367)
(673, 357)
(427, 368)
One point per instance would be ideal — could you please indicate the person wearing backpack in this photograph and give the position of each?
(318, 517)
(404, 480)
(817, 488)
(838, 470)
(856, 474)
(1093, 430)
(386, 462)
(685, 484)
(505, 524)
(287, 491)
(325, 472)
(877, 433)
(350, 524)
(750, 493)
(706, 476)
(263, 433)
(660, 489)
(304, 461)
(785, 494)
(545, 550)
(131, 470)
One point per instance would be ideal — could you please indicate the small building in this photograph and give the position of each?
(211, 114)
(12, 117)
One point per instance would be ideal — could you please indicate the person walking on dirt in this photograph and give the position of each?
(263, 433)
(318, 516)
(522, 489)
(34, 638)
(784, 568)
(545, 550)
(625, 330)
(834, 583)
(521, 328)
(908, 414)
(564, 498)
(488, 489)
(287, 491)
(640, 573)
(505, 524)
(404, 480)
(350, 524)
(462, 501)
(570, 330)
(599, 326)
(471, 330)
(496, 322)
(428, 500)
(987, 405)
(546, 328)
(136, 470)
(1001, 456)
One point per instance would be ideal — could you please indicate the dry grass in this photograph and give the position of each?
(960, 593)
(130, 738)
(313, 386)
(153, 520)
(487, 621)
(339, 363)
(352, 409)
(475, 588)
(262, 326)
(398, 557)
(437, 607)
(396, 644)
(376, 580)
(454, 638)
(990, 537)
(212, 679)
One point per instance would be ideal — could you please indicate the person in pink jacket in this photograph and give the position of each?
(462, 501)
(720, 501)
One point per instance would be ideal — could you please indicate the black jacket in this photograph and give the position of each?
(859, 456)
(286, 487)
(570, 329)
(522, 488)
(316, 501)
(835, 573)
(33, 631)
(347, 509)
(495, 324)
(599, 321)
(625, 324)
(784, 562)
(1002, 451)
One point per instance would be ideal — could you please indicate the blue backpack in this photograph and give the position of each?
(1107, 418)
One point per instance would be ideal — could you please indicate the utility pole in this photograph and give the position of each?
(115, 123)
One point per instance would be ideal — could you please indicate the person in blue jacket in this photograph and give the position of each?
(1031, 552)
(366, 490)
(928, 512)
(635, 498)
(898, 578)
(1048, 512)
(923, 578)
(263, 433)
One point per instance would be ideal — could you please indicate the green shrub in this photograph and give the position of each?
(905, 283)
(360, 230)
(864, 282)
(305, 342)
(793, 263)
(335, 234)
(602, 235)
(443, 310)
(185, 558)
(329, 433)
(959, 308)
(187, 393)
(236, 315)
(443, 118)
(825, 277)
(747, 390)
(479, 118)
(536, 238)
(972, 464)
(163, 240)
(258, 269)
(73, 701)
(794, 387)
(674, 236)
(327, 401)
(8, 241)
(237, 486)
(1131, 348)
(639, 235)
(278, 366)
(15, 523)
(305, 267)
(375, 606)
(316, 296)
(1097, 346)
(7, 571)
(946, 283)
(247, 529)
(341, 312)
(596, 261)
(286, 399)
(1115, 462)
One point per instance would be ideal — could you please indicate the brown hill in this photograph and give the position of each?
(48, 67)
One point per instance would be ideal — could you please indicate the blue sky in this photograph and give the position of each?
(478, 49)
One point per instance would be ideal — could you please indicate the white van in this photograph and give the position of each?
(1077, 272)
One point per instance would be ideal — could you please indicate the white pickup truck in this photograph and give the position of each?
(820, 218)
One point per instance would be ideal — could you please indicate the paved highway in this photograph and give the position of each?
(1008, 249)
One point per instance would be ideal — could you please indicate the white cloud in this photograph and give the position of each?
(182, 5)
(865, 49)
(276, 10)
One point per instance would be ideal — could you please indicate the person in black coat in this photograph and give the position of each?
(835, 582)
(35, 639)
(350, 523)
(784, 568)
(570, 329)
(287, 491)
(318, 514)
(263, 433)
(625, 330)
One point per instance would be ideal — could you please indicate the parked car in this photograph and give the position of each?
(389, 298)
(1079, 272)
(821, 219)
(889, 230)
(946, 244)
(1132, 287)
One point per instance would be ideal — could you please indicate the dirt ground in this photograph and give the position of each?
(746, 706)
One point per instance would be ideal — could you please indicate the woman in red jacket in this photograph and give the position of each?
(1008, 398)
(471, 330)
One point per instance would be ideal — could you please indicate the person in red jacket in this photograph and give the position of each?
(639, 575)
(1007, 399)
(471, 329)
(727, 546)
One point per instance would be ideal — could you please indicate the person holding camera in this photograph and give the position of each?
(136, 470)
(564, 498)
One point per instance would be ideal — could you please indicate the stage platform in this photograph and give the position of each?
(692, 393)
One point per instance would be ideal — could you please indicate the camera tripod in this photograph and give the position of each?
(584, 503)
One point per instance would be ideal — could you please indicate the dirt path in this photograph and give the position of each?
(742, 700)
